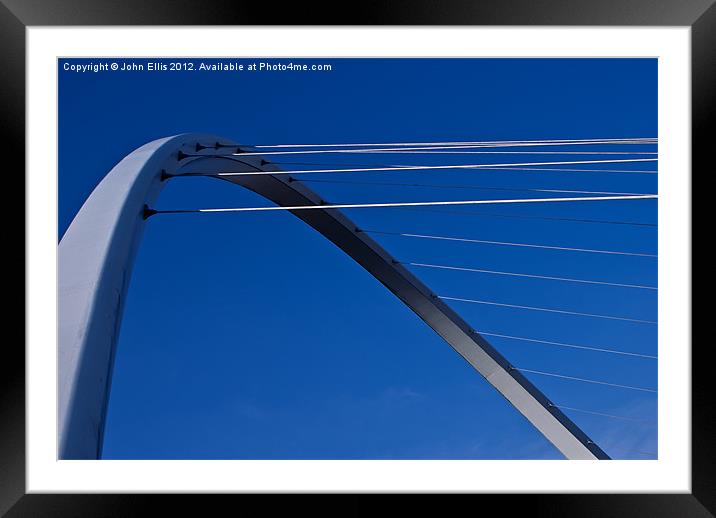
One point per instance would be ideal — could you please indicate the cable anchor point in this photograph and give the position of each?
(147, 212)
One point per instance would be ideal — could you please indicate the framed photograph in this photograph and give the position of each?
(449, 251)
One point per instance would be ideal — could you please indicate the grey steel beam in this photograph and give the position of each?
(86, 358)
(95, 258)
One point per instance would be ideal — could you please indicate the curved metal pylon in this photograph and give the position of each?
(97, 252)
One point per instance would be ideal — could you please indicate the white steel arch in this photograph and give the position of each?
(95, 259)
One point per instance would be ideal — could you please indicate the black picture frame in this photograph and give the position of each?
(16, 15)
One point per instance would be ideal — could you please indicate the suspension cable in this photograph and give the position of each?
(468, 187)
(585, 380)
(629, 450)
(387, 150)
(404, 204)
(471, 152)
(639, 140)
(542, 218)
(603, 414)
(548, 310)
(570, 170)
(550, 169)
(504, 243)
(571, 346)
(421, 167)
(531, 276)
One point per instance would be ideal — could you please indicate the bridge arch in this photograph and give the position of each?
(96, 254)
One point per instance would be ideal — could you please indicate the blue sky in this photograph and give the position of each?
(249, 336)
